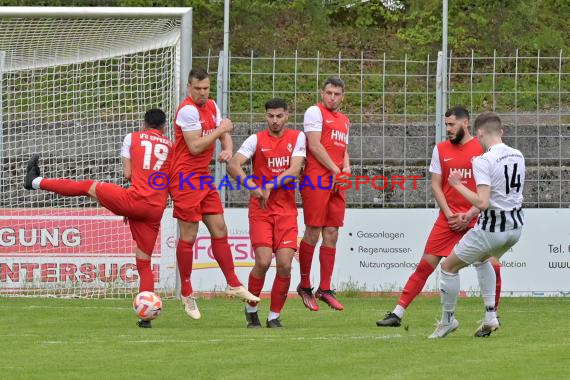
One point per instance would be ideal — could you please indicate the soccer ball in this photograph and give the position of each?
(147, 305)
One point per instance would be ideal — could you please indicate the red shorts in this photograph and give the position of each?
(275, 232)
(144, 218)
(442, 239)
(190, 204)
(323, 208)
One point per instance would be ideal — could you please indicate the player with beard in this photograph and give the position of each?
(456, 215)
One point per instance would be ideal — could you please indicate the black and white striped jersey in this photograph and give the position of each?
(503, 169)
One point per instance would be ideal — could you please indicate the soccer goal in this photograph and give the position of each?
(74, 82)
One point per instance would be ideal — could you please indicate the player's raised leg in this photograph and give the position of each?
(62, 186)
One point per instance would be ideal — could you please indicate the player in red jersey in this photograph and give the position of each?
(456, 215)
(323, 203)
(198, 124)
(146, 158)
(277, 154)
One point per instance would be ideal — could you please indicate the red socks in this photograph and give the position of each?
(146, 280)
(254, 285)
(279, 293)
(497, 268)
(66, 187)
(326, 258)
(184, 257)
(415, 283)
(223, 255)
(306, 252)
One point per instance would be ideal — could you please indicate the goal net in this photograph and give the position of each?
(71, 88)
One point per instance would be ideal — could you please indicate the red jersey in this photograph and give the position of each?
(272, 156)
(334, 137)
(184, 161)
(457, 157)
(150, 152)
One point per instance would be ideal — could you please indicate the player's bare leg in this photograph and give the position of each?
(263, 256)
(327, 258)
(184, 256)
(223, 255)
(306, 251)
(413, 287)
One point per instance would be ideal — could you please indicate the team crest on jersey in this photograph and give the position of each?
(290, 147)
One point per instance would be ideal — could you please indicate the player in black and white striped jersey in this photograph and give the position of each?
(499, 175)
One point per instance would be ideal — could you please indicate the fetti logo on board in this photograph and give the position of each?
(241, 249)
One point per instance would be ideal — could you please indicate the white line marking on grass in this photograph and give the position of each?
(65, 307)
(258, 338)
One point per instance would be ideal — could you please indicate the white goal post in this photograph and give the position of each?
(74, 81)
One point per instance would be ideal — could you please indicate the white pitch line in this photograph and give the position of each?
(258, 338)
(60, 217)
(65, 307)
(226, 339)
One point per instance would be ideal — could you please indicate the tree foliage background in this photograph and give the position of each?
(352, 26)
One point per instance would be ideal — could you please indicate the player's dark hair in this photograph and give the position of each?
(155, 118)
(489, 121)
(335, 82)
(276, 103)
(459, 112)
(199, 74)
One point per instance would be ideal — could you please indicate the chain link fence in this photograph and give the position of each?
(392, 107)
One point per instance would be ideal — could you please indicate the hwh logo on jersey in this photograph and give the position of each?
(207, 132)
(339, 136)
(278, 162)
(465, 173)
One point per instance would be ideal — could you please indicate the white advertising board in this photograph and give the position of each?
(379, 248)
(377, 251)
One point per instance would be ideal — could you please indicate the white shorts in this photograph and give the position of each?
(476, 245)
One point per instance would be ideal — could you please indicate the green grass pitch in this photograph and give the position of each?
(98, 339)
